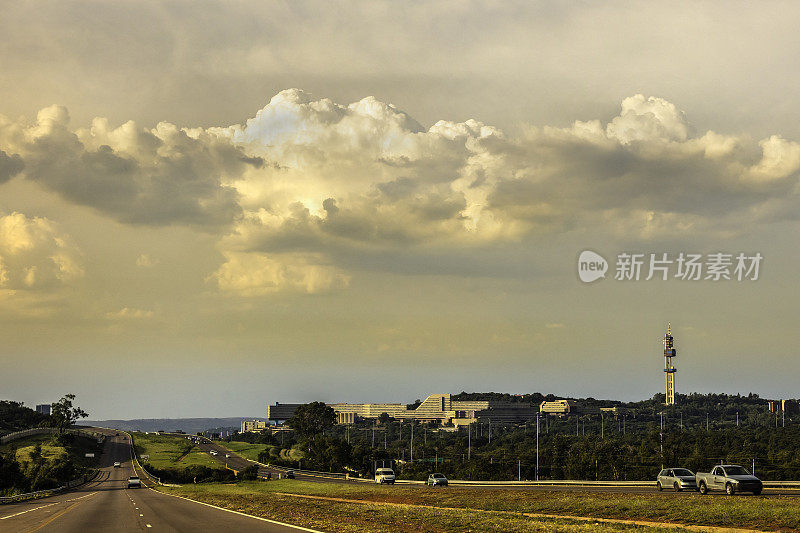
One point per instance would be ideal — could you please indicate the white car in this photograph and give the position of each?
(117, 464)
(384, 475)
(134, 482)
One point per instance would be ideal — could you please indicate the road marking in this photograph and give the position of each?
(141, 514)
(55, 516)
(148, 525)
(299, 528)
(28, 511)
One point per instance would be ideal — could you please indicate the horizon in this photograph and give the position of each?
(329, 203)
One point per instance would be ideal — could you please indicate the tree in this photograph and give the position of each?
(64, 414)
(312, 419)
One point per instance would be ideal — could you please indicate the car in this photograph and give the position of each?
(730, 478)
(212, 452)
(436, 479)
(289, 474)
(384, 475)
(134, 482)
(676, 478)
(117, 464)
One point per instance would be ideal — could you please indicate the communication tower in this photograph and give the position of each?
(669, 369)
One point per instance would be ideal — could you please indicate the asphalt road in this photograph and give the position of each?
(106, 504)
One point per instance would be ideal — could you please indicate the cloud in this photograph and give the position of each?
(130, 313)
(145, 261)
(247, 275)
(165, 175)
(34, 255)
(308, 189)
(352, 181)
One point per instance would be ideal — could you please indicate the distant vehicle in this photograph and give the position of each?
(213, 452)
(384, 475)
(730, 478)
(289, 474)
(677, 478)
(117, 464)
(134, 482)
(436, 479)
(227, 455)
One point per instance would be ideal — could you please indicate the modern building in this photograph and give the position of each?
(43, 408)
(557, 408)
(439, 408)
(252, 426)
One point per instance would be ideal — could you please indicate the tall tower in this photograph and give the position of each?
(669, 369)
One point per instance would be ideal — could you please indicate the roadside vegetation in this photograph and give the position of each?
(345, 507)
(701, 431)
(177, 459)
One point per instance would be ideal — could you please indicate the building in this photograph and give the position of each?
(43, 408)
(557, 408)
(252, 426)
(438, 408)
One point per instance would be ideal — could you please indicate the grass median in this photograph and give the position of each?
(378, 508)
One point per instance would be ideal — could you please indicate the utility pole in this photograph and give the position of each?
(469, 441)
(412, 442)
(373, 436)
(490, 431)
(706, 422)
(737, 419)
(537, 446)
(661, 438)
(519, 470)
(602, 425)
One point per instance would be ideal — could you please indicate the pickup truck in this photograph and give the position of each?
(730, 478)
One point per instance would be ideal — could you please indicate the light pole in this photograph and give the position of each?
(412, 442)
(602, 424)
(469, 441)
(537, 446)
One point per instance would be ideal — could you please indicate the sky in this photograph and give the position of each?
(207, 207)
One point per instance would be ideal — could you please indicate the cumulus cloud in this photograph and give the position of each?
(364, 178)
(160, 176)
(34, 255)
(130, 313)
(305, 188)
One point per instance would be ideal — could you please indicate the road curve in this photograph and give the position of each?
(106, 504)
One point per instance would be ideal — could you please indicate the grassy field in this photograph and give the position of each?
(412, 509)
(245, 449)
(251, 451)
(167, 451)
(51, 450)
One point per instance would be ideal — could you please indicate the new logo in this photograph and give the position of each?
(591, 266)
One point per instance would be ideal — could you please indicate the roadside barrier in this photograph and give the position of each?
(49, 492)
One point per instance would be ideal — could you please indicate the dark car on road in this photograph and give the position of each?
(289, 474)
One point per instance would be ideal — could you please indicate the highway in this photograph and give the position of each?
(106, 504)
(237, 462)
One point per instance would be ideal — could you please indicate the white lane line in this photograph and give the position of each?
(28, 511)
(81, 497)
(141, 514)
(299, 528)
(148, 525)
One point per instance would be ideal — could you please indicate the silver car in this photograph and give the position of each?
(677, 478)
(436, 480)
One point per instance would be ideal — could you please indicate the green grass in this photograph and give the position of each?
(51, 450)
(251, 451)
(245, 449)
(167, 451)
(376, 517)
(770, 513)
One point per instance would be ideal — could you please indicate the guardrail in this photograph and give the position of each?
(49, 492)
(45, 430)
